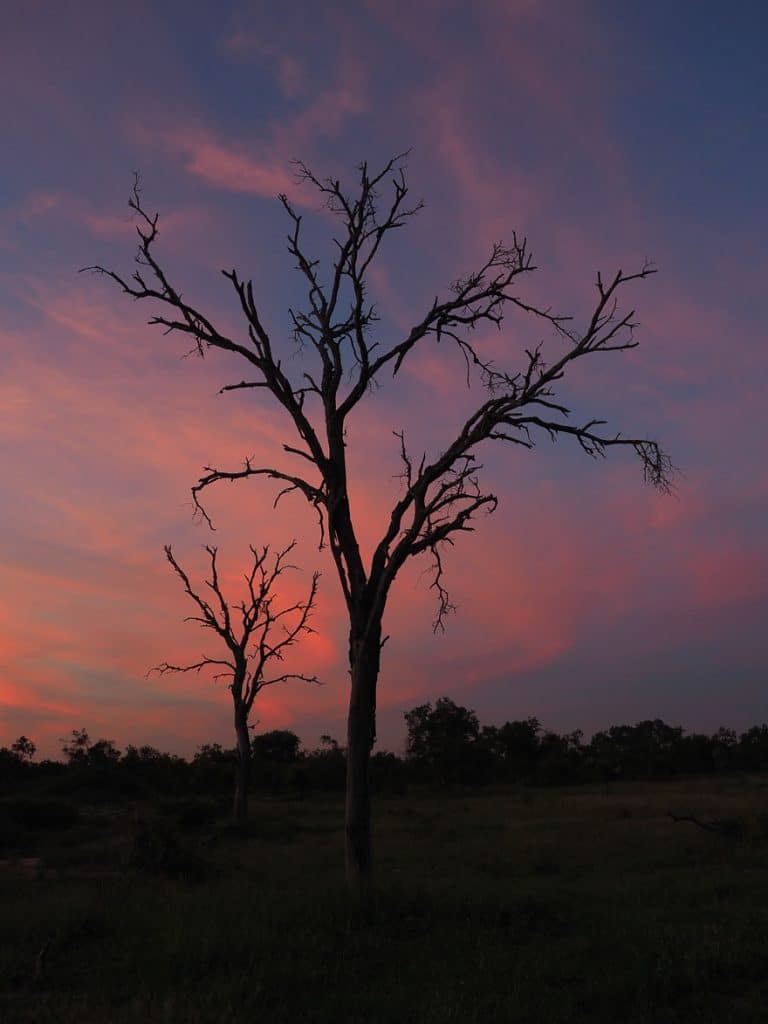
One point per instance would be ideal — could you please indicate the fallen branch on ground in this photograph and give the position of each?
(728, 827)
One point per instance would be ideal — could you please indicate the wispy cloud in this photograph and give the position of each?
(518, 120)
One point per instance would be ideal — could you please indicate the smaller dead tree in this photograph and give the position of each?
(256, 632)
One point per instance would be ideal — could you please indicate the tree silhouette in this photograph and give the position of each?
(259, 634)
(441, 496)
(441, 738)
(280, 746)
(24, 748)
(515, 745)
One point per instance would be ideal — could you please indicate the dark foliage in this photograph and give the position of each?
(446, 746)
(156, 770)
(326, 767)
(347, 357)
(389, 774)
(156, 851)
(192, 813)
(41, 814)
(279, 746)
(443, 741)
(12, 768)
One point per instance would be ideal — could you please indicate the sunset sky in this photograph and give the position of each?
(606, 132)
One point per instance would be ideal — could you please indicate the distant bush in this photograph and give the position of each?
(326, 767)
(213, 768)
(279, 746)
(446, 747)
(42, 815)
(190, 813)
(12, 769)
(388, 774)
(158, 771)
(10, 832)
(155, 851)
(98, 783)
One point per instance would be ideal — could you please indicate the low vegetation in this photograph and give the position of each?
(507, 901)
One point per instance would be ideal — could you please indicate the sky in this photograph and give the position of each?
(606, 133)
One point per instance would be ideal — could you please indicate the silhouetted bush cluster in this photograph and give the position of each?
(41, 814)
(446, 746)
(156, 851)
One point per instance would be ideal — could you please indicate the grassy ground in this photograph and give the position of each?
(551, 906)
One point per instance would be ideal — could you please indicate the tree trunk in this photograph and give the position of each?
(243, 773)
(361, 735)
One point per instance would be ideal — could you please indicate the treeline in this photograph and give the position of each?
(446, 745)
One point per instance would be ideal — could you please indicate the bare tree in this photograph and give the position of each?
(259, 634)
(24, 749)
(441, 496)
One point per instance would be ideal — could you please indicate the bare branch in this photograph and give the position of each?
(196, 666)
(314, 495)
(336, 324)
(264, 630)
(728, 828)
(344, 360)
(288, 676)
(658, 469)
(445, 606)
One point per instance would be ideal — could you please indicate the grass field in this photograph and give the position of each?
(586, 904)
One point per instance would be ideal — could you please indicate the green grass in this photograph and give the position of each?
(538, 906)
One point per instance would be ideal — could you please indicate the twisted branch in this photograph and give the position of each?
(263, 631)
(335, 328)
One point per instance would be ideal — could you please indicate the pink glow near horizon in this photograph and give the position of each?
(582, 577)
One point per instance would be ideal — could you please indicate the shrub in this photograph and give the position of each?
(155, 851)
(192, 814)
(42, 815)
(388, 774)
(98, 784)
(10, 833)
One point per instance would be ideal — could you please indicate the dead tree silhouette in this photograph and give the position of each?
(258, 635)
(442, 495)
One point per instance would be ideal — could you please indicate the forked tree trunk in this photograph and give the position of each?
(243, 773)
(361, 734)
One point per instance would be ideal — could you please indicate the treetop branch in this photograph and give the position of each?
(440, 496)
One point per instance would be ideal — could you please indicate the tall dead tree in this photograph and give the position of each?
(442, 495)
(255, 632)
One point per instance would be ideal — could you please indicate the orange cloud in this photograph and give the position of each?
(232, 167)
(105, 427)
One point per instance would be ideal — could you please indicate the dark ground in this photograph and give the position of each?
(527, 905)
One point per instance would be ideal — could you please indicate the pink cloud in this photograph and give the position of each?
(289, 70)
(244, 42)
(329, 111)
(728, 575)
(107, 429)
(38, 204)
(527, 585)
(178, 225)
(231, 167)
(292, 76)
(524, 606)
(264, 167)
(102, 561)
